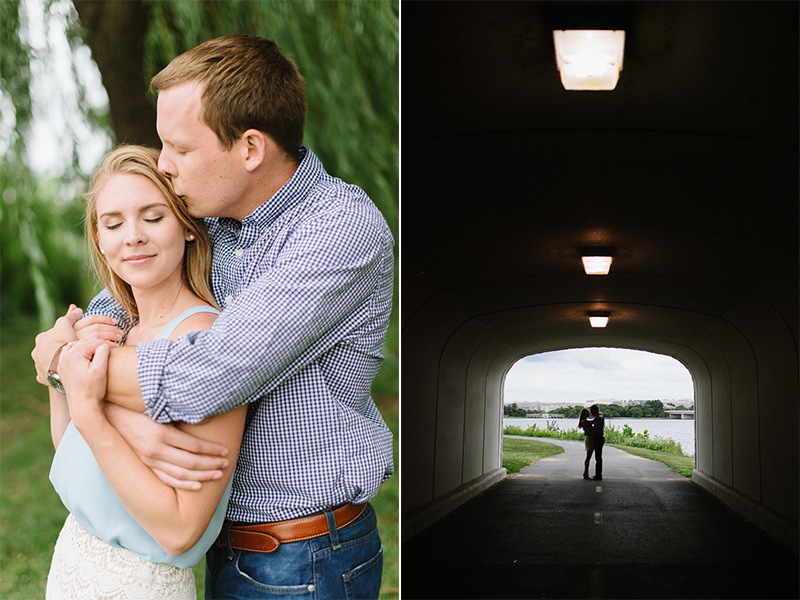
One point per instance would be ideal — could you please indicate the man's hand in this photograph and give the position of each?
(49, 341)
(98, 327)
(179, 459)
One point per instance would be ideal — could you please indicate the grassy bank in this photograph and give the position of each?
(664, 450)
(622, 437)
(31, 513)
(680, 463)
(518, 453)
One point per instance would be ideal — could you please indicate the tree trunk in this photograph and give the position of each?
(115, 33)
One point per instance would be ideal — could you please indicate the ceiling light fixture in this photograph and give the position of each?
(597, 265)
(598, 319)
(589, 59)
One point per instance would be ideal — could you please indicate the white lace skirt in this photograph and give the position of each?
(84, 566)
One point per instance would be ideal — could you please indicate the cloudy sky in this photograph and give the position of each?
(584, 374)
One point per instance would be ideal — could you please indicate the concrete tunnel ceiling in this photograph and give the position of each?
(688, 170)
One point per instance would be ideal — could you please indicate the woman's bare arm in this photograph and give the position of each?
(178, 458)
(176, 518)
(59, 416)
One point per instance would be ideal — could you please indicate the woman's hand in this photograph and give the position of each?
(83, 368)
(98, 327)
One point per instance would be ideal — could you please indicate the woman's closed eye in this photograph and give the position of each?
(154, 219)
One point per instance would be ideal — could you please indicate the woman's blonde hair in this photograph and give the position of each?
(140, 160)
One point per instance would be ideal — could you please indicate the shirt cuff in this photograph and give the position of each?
(151, 359)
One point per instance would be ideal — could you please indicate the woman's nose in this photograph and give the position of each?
(134, 236)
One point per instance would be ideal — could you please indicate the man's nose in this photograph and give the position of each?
(165, 165)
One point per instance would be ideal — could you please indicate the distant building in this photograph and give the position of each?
(680, 414)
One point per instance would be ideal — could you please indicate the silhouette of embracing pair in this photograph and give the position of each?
(594, 440)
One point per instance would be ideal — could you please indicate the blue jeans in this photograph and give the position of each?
(599, 442)
(347, 563)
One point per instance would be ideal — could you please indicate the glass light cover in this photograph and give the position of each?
(598, 321)
(589, 59)
(597, 265)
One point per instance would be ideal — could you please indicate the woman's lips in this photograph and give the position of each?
(139, 259)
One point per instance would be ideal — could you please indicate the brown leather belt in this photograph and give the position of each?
(267, 537)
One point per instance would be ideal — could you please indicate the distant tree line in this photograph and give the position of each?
(650, 409)
(512, 410)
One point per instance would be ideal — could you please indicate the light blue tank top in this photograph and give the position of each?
(88, 495)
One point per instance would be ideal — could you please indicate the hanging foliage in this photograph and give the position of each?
(347, 52)
(41, 252)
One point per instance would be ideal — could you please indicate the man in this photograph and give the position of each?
(303, 269)
(598, 424)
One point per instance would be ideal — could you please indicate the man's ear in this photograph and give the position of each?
(257, 146)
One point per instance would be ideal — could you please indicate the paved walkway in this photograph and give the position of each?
(642, 532)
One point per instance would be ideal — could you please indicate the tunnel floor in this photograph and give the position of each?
(642, 532)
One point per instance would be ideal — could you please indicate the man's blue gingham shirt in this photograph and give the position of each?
(305, 283)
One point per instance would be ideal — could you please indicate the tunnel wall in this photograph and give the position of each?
(745, 370)
(749, 450)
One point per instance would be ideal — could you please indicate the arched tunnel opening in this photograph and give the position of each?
(745, 388)
(651, 394)
(689, 179)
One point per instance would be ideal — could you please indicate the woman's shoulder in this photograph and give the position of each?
(196, 321)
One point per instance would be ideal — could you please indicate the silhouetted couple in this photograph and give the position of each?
(595, 439)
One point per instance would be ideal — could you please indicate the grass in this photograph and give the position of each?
(31, 513)
(623, 437)
(663, 450)
(518, 453)
(680, 463)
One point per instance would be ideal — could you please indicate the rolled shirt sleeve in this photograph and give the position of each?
(320, 290)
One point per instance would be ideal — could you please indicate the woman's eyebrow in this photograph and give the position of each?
(117, 213)
(154, 205)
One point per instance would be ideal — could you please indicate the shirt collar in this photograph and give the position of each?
(290, 195)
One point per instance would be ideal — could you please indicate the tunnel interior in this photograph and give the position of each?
(687, 172)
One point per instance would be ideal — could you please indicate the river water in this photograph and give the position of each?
(680, 430)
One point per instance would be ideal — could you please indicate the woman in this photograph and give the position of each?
(128, 534)
(585, 423)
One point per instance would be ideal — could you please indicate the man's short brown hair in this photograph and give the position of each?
(249, 84)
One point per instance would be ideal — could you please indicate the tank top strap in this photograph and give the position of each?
(170, 327)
